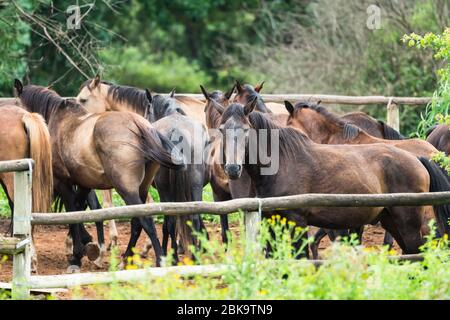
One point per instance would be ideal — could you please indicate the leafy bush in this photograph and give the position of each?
(137, 66)
(437, 110)
(350, 272)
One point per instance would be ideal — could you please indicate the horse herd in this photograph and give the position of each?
(125, 138)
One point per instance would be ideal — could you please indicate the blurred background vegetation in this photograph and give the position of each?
(297, 46)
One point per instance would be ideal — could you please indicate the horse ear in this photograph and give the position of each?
(220, 109)
(250, 106)
(205, 93)
(149, 95)
(18, 86)
(229, 93)
(96, 81)
(172, 93)
(289, 107)
(239, 86)
(259, 87)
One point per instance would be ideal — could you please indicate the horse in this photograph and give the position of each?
(96, 95)
(309, 167)
(222, 187)
(108, 150)
(325, 127)
(25, 135)
(439, 137)
(372, 126)
(192, 138)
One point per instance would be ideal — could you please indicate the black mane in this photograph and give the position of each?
(44, 101)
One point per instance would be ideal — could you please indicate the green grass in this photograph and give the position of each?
(351, 272)
(5, 212)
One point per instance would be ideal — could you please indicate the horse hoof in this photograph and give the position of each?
(92, 251)
(121, 266)
(73, 269)
(98, 263)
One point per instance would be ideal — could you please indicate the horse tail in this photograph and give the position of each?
(439, 181)
(156, 147)
(180, 188)
(41, 153)
(390, 133)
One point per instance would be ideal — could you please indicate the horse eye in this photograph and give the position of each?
(83, 101)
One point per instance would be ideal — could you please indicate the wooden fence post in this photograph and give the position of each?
(252, 225)
(22, 229)
(393, 115)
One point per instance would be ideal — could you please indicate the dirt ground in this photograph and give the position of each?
(50, 246)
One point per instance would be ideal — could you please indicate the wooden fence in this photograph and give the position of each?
(19, 244)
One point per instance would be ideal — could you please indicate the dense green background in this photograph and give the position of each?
(319, 46)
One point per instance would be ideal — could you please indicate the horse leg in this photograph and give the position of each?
(318, 236)
(148, 243)
(408, 221)
(165, 232)
(388, 240)
(7, 182)
(108, 203)
(93, 205)
(146, 223)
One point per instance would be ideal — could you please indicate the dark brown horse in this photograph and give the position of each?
(308, 167)
(325, 127)
(25, 135)
(372, 126)
(118, 150)
(439, 137)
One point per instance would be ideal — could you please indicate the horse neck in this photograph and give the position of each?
(212, 117)
(261, 106)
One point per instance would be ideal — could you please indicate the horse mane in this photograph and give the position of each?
(291, 140)
(260, 104)
(41, 100)
(164, 106)
(390, 133)
(134, 97)
(349, 130)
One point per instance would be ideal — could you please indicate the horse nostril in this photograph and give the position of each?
(233, 170)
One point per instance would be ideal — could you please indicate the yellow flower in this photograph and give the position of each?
(263, 292)
(187, 261)
(392, 252)
(283, 221)
(131, 267)
(291, 224)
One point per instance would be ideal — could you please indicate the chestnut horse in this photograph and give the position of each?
(309, 167)
(108, 150)
(25, 135)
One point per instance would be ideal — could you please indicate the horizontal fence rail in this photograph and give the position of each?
(325, 98)
(75, 280)
(245, 204)
(333, 99)
(16, 165)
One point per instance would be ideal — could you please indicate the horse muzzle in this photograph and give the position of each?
(233, 171)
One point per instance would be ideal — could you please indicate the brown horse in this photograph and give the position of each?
(324, 127)
(118, 150)
(439, 137)
(316, 168)
(223, 188)
(25, 135)
(374, 127)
